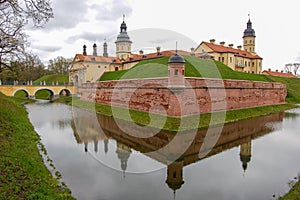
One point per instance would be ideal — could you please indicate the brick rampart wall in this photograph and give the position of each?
(199, 95)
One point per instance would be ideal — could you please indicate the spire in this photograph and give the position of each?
(249, 32)
(123, 27)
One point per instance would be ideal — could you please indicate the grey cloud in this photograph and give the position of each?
(112, 11)
(90, 37)
(67, 14)
(46, 48)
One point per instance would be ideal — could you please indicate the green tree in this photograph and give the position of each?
(14, 15)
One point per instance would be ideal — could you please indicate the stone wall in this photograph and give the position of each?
(198, 95)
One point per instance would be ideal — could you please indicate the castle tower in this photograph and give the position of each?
(245, 154)
(123, 43)
(105, 54)
(249, 38)
(94, 49)
(174, 176)
(176, 71)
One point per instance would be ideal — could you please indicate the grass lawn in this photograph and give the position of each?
(23, 173)
(173, 123)
(53, 78)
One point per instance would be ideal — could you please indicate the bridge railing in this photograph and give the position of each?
(41, 83)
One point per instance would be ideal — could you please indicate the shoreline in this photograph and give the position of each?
(173, 123)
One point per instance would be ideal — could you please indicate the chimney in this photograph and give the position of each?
(212, 41)
(192, 51)
(281, 71)
(94, 49)
(222, 43)
(230, 45)
(276, 70)
(141, 52)
(158, 51)
(84, 50)
(239, 47)
(269, 69)
(105, 54)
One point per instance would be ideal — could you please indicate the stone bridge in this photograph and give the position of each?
(31, 90)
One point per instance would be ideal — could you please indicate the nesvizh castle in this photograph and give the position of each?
(89, 68)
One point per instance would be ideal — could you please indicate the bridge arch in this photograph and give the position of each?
(52, 93)
(21, 89)
(66, 90)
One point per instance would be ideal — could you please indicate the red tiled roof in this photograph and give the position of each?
(134, 58)
(282, 74)
(139, 57)
(92, 58)
(224, 49)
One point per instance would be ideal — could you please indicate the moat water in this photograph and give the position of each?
(252, 159)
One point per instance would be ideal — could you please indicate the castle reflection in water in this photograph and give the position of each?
(87, 130)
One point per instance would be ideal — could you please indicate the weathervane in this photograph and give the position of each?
(123, 17)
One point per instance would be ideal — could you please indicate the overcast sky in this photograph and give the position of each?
(158, 22)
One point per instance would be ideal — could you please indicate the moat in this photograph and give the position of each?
(252, 159)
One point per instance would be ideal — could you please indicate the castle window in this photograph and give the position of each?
(250, 49)
(219, 58)
(245, 41)
(122, 48)
(176, 72)
(222, 59)
(99, 66)
(252, 64)
(230, 59)
(249, 64)
(182, 72)
(250, 41)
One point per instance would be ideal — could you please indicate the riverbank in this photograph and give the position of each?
(23, 173)
(176, 123)
(293, 194)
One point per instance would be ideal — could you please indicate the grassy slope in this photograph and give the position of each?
(173, 123)
(23, 173)
(53, 78)
(195, 67)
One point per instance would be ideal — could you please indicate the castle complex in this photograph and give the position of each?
(242, 60)
(89, 68)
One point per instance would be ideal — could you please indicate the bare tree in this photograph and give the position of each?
(60, 65)
(14, 15)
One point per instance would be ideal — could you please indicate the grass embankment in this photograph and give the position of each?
(175, 123)
(23, 173)
(53, 78)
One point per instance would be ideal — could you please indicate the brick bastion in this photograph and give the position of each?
(185, 96)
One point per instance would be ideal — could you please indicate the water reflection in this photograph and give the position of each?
(89, 129)
(252, 159)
